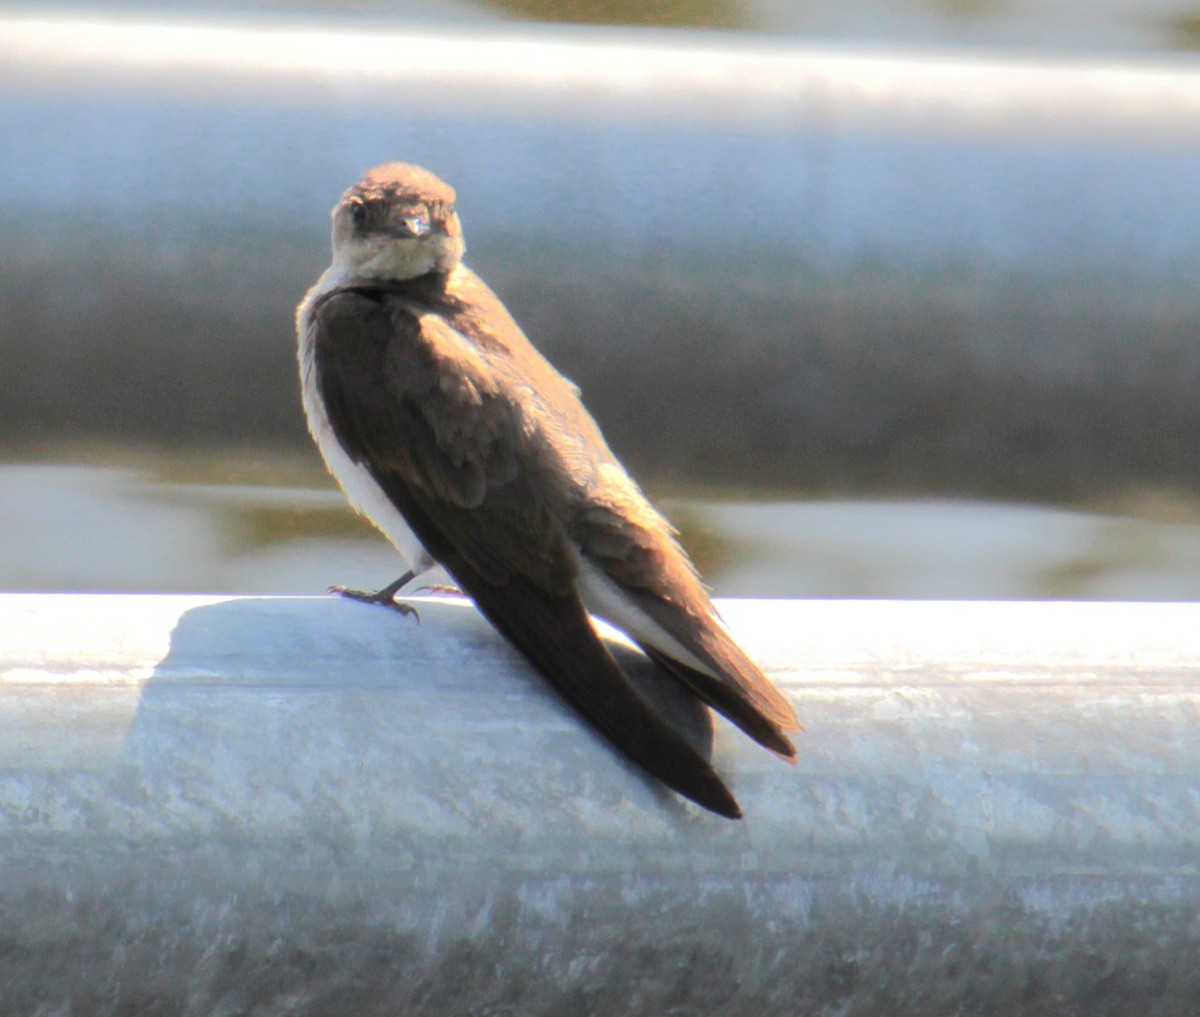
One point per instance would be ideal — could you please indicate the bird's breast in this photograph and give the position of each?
(361, 489)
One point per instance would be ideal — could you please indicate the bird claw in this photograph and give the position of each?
(384, 598)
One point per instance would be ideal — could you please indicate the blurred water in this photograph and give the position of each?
(102, 528)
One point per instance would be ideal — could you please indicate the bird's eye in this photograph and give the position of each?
(358, 212)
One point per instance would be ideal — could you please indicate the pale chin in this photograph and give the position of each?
(397, 262)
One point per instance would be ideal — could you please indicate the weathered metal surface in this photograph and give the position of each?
(298, 806)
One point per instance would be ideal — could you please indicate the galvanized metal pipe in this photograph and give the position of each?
(766, 263)
(213, 805)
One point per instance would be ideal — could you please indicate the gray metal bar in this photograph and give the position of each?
(766, 263)
(213, 805)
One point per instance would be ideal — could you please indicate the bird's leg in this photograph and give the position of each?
(385, 597)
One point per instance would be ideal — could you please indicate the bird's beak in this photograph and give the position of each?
(414, 226)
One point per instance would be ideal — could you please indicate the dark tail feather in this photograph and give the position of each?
(555, 635)
(552, 630)
(727, 701)
(740, 690)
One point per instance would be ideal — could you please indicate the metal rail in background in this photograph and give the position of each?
(741, 80)
(214, 805)
(959, 272)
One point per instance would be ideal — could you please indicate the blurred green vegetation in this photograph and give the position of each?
(1183, 30)
(657, 13)
(254, 526)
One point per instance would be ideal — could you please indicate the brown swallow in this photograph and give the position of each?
(447, 428)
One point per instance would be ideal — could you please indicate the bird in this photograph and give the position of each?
(475, 457)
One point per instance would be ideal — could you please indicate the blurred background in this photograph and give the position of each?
(877, 299)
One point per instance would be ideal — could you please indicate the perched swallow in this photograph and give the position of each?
(462, 443)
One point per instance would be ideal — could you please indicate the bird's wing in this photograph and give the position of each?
(623, 536)
(460, 455)
(620, 533)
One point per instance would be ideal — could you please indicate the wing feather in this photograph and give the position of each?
(635, 547)
(462, 453)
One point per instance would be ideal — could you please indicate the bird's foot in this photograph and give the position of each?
(384, 598)
(442, 588)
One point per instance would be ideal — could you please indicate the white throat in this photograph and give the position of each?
(378, 258)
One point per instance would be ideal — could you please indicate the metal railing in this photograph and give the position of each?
(236, 805)
(766, 263)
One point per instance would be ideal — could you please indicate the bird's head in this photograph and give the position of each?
(398, 222)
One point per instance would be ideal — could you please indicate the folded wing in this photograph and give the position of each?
(457, 448)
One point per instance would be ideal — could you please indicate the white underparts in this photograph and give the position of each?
(364, 494)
